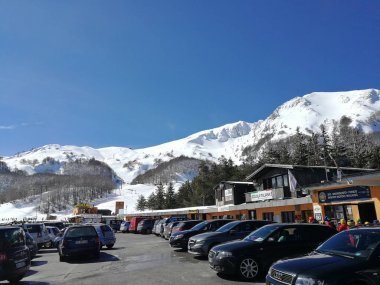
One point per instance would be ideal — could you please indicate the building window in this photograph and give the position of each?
(286, 180)
(288, 217)
(276, 182)
(268, 216)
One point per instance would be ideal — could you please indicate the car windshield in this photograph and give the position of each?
(353, 243)
(261, 234)
(227, 227)
(200, 226)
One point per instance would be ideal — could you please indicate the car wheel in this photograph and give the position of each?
(248, 268)
(16, 279)
(109, 246)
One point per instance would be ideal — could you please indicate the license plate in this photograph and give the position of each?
(20, 264)
(81, 242)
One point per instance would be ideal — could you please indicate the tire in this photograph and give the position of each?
(16, 279)
(248, 268)
(109, 246)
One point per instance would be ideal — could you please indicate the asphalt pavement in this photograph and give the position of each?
(135, 259)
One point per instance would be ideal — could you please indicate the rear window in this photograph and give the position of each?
(80, 231)
(34, 228)
(105, 229)
(11, 238)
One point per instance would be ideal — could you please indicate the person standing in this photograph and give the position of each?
(343, 225)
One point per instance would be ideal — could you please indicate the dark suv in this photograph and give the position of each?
(14, 254)
(181, 239)
(256, 252)
(350, 257)
(202, 243)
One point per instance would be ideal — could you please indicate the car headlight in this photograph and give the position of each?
(200, 242)
(223, 254)
(301, 280)
(178, 236)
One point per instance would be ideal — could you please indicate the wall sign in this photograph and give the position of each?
(262, 195)
(344, 194)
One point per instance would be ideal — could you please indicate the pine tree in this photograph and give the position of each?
(170, 197)
(325, 146)
(160, 197)
(151, 202)
(184, 195)
(300, 149)
(141, 204)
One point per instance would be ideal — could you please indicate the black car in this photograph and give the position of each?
(202, 243)
(350, 257)
(181, 239)
(79, 241)
(145, 226)
(253, 255)
(14, 254)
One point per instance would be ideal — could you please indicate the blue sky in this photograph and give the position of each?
(142, 73)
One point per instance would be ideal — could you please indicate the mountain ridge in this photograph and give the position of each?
(306, 113)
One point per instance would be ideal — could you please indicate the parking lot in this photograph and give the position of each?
(135, 259)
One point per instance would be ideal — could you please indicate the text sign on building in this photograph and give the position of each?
(228, 194)
(345, 194)
(262, 195)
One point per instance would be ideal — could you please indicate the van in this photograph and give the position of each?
(106, 235)
(39, 233)
(14, 254)
(133, 224)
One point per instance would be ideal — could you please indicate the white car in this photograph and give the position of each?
(53, 233)
(39, 233)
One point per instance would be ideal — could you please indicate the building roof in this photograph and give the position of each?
(290, 166)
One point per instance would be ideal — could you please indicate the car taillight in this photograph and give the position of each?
(179, 229)
(97, 240)
(3, 257)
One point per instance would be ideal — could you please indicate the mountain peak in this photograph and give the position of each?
(307, 112)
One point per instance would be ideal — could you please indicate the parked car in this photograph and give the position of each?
(170, 220)
(202, 243)
(181, 239)
(168, 229)
(145, 226)
(106, 235)
(115, 225)
(253, 255)
(39, 233)
(159, 227)
(124, 227)
(53, 233)
(350, 257)
(155, 226)
(134, 223)
(79, 241)
(14, 254)
(32, 245)
(185, 225)
(59, 225)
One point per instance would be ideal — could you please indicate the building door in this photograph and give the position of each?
(367, 212)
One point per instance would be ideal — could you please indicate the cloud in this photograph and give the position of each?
(24, 124)
(10, 127)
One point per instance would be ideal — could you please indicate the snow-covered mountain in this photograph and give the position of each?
(307, 113)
